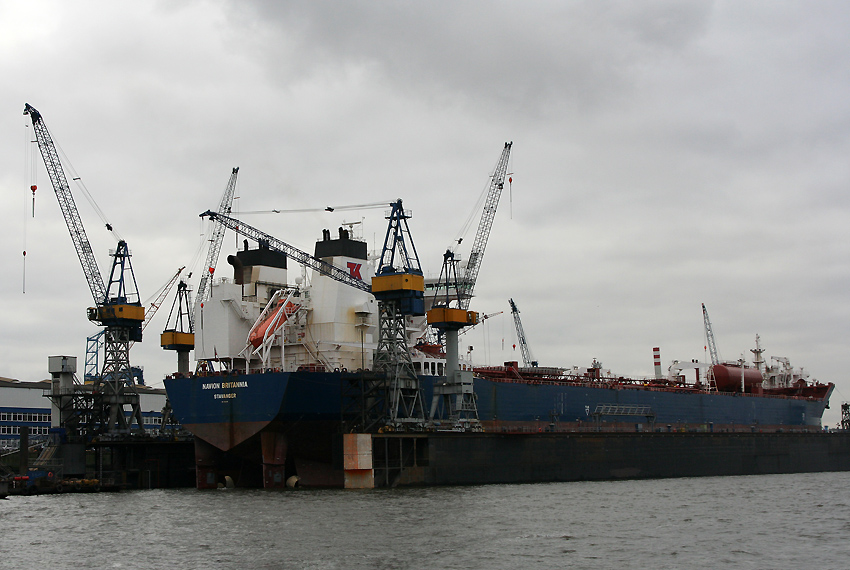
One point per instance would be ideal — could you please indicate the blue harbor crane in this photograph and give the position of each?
(399, 287)
(117, 309)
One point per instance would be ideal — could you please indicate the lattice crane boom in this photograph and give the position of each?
(709, 337)
(67, 205)
(224, 208)
(527, 359)
(294, 253)
(473, 265)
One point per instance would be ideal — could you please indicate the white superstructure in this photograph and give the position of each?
(298, 320)
(318, 322)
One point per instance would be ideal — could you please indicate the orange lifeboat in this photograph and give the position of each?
(259, 333)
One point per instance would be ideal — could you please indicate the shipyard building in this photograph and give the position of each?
(27, 404)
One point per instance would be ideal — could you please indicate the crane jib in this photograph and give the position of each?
(91, 270)
(323, 267)
(215, 244)
(497, 183)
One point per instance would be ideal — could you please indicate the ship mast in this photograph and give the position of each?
(758, 360)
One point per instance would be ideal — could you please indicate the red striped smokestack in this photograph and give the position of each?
(656, 352)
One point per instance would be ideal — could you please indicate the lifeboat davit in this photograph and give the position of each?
(274, 319)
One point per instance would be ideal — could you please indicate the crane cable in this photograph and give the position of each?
(69, 167)
(370, 206)
(475, 213)
(195, 262)
(30, 175)
(30, 166)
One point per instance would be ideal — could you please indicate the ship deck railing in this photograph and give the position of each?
(591, 426)
(625, 384)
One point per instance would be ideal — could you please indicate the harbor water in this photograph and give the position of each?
(772, 521)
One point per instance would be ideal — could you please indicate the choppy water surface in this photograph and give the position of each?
(775, 521)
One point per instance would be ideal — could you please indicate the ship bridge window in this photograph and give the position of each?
(440, 369)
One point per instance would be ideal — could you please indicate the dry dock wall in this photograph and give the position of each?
(480, 458)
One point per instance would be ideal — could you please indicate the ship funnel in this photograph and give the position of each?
(656, 353)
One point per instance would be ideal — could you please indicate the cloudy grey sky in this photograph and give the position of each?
(666, 154)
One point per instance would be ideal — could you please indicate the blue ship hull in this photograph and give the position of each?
(229, 410)
(567, 403)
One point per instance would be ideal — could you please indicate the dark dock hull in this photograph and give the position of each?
(426, 459)
(486, 458)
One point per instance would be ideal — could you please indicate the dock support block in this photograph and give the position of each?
(357, 458)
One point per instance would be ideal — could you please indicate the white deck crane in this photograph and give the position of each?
(712, 350)
(527, 359)
(117, 308)
(709, 337)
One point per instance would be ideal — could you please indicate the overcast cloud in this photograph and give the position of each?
(666, 154)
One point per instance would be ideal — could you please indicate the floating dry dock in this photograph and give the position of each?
(269, 412)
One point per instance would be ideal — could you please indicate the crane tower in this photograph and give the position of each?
(399, 287)
(179, 334)
(453, 399)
